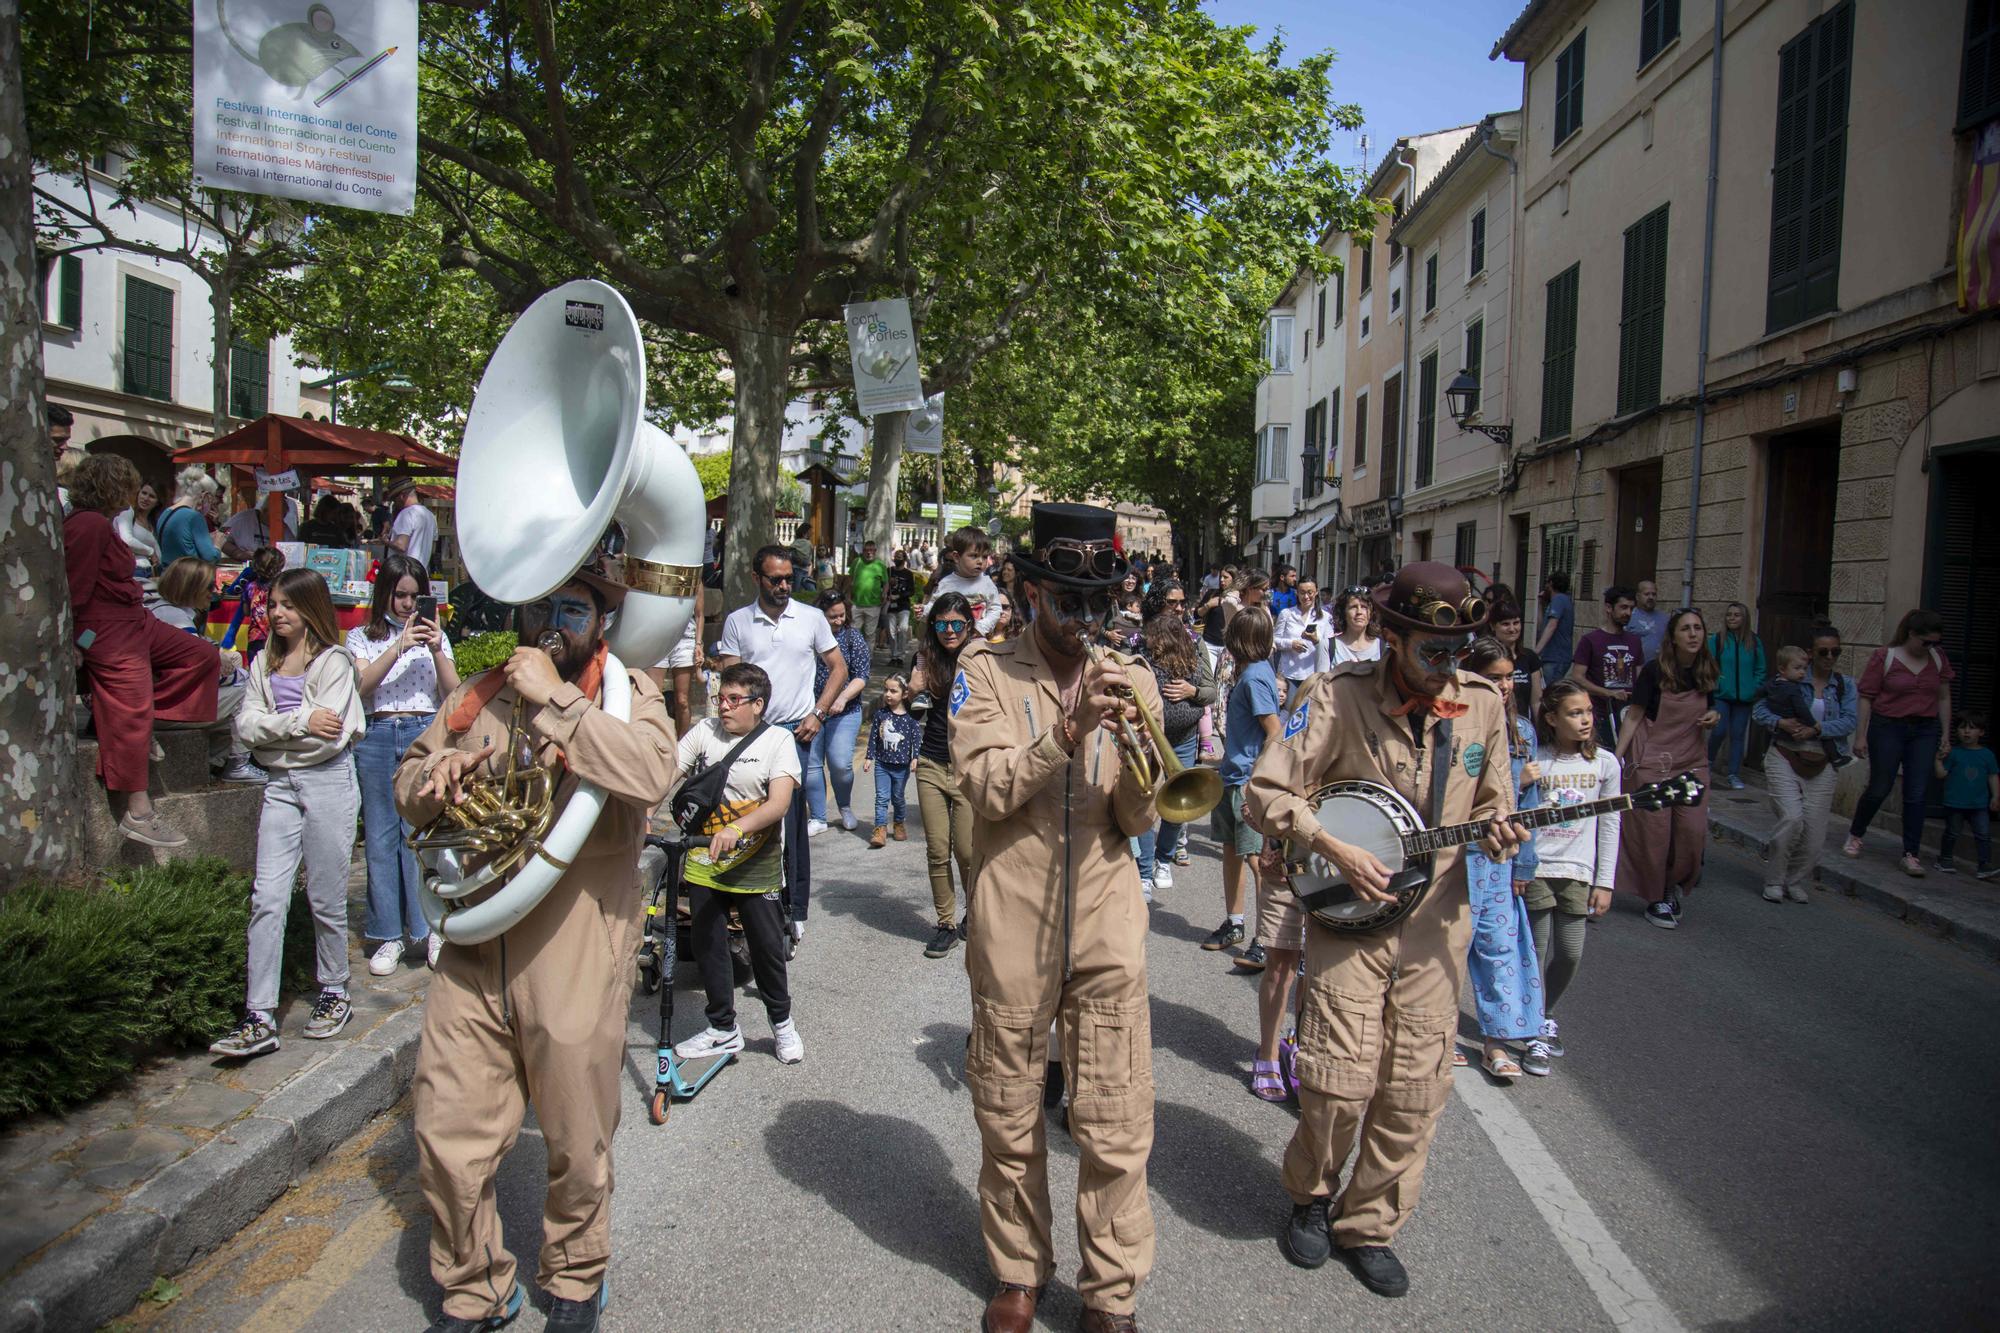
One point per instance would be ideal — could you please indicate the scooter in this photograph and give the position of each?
(659, 949)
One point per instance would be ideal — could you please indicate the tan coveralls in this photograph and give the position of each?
(539, 1013)
(1037, 809)
(1379, 1011)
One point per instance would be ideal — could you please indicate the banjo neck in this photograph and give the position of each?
(1424, 841)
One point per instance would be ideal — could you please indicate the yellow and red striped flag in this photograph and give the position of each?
(1979, 227)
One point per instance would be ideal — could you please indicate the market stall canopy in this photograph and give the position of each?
(322, 448)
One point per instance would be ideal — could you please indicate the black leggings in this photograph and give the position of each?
(1559, 947)
(762, 928)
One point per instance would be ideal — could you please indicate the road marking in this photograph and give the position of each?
(344, 1256)
(1628, 1299)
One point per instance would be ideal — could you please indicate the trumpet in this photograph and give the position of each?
(1180, 794)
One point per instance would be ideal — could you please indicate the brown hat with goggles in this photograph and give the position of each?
(1074, 546)
(1430, 597)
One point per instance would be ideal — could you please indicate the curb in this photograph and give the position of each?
(1909, 904)
(202, 1200)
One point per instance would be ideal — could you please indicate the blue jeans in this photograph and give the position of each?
(1735, 729)
(393, 911)
(1908, 743)
(1981, 820)
(833, 747)
(1554, 669)
(889, 785)
(1161, 839)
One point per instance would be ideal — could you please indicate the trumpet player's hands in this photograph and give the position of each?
(1503, 838)
(1366, 875)
(324, 723)
(1098, 702)
(533, 675)
(446, 782)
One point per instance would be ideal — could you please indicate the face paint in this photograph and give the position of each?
(571, 615)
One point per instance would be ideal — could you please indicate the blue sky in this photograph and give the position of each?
(1413, 66)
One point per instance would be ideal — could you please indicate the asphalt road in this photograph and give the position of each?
(1778, 1116)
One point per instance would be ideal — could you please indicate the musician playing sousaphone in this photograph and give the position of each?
(537, 1014)
(1057, 927)
(1380, 1009)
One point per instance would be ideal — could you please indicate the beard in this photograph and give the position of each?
(570, 652)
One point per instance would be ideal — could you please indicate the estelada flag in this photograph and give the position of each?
(1979, 227)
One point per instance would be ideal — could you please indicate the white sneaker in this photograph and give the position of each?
(798, 931)
(791, 1046)
(385, 960)
(433, 946)
(847, 819)
(1163, 874)
(1797, 893)
(1146, 890)
(1552, 1037)
(815, 827)
(1774, 893)
(710, 1041)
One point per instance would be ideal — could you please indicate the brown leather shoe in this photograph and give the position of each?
(880, 837)
(1103, 1321)
(898, 832)
(1012, 1309)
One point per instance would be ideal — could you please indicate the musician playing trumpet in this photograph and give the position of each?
(537, 1014)
(1057, 927)
(1380, 1009)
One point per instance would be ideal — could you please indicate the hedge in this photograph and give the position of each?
(482, 652)
(150, 961)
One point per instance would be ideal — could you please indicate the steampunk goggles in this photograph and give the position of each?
(1068, 557)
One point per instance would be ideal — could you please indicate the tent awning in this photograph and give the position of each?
(318, 447)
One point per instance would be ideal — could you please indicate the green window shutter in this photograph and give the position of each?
(1979, 75)
(69, 286)
(1642, 319)
(1430, 284)
(1659, 24)
(1333, 435)
(1475, 350)
(1809, 170)
(1478, 241)
(249, 380)
(1559, 354)
(1392, 434)
(1569, 90)
(149, 339)
(1360, 432)
(1427, 390)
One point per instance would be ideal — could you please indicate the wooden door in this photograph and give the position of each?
(1638, 553)
(1802, 475)
(1964, 582)
(1519, 524)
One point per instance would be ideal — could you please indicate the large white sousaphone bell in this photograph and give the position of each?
(558, 449)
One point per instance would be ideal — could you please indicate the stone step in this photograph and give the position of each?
(219, 819)
(185, 768)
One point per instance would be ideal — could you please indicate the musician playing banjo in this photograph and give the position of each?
(1380, 1009)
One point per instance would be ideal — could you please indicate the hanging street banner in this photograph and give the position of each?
(311, 102)
(925, 432)
(883, 346)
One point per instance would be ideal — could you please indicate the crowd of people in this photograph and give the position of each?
(989, 688)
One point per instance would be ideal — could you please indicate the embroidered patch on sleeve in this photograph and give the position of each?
(1297, 722)
(960, 692)
(1475, 759)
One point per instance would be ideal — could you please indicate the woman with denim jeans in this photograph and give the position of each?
(1187, 688)
(407, 669)
(1905, 723)
(833, 745)
(1740, 654)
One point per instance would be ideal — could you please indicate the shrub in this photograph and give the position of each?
(92, 980)
(482, 652)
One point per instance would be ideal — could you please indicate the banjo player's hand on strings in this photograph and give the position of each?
(1503, 838)
(1366, 875)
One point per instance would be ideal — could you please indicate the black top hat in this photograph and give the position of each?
(1073, 547)
(1430, 596)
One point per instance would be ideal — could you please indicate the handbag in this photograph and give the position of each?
(697, 800)
(1808, 764)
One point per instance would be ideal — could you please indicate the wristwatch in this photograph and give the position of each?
(819, 713)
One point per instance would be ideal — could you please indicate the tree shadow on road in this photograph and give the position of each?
(942, 1051)
(878, 908)
(1166, 921)
(891, 1178)
(1204, 1040)
(1213, 1175)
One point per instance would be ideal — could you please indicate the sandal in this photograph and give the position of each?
(1266, 1083)
(1500, 1064)
(1458, 1058)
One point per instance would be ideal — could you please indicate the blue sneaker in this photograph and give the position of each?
(579, 1316)
(449, 1323)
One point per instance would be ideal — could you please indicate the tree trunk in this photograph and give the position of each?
(221, 299)
(762, 364)
(885, 475)
(39, 828)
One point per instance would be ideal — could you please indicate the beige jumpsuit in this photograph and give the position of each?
(1379, 1011)
(539, 1013)
(1037, 811)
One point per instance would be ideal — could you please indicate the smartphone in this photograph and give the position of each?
(427, 608)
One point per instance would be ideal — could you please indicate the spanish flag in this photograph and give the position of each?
(1979, 227)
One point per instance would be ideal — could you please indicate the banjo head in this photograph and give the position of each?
(1375, 818)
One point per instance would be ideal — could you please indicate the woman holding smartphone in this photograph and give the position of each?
(406, 671)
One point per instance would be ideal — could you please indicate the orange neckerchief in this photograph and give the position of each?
(1440, 708)
(492, 682)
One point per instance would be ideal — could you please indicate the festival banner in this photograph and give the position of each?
(1979, 226)
(320, 106)
(883, 347)
(925, 432)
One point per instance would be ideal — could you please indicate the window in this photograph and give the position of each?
(1367, 266)
(1333, 436)
(1465, 547)
(1642, 323)
(1311, 476)
(1475, 263)
(1395, 216)
(1809, 175)
(1320, 322)
(1559, 354)
(1979, 75)
(1421, 544)
(1659, 26)
(1431, 283)
(1271, 448)
(1569, 90)
(1339, 296)
(1278, 344)
(249, 380)
(1475, 350)
(1360, 430)
(62, 292)
(1427, 419)
(149, 339)
(1392, 432)
(1559, 553)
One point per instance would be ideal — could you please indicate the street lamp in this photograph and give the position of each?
(1461, 398)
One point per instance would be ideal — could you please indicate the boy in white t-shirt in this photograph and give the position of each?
(743, 864)
(968, 553)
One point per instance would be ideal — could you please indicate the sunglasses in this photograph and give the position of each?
(1093, 606)
(1826, 652)
(1176, 601)
(1441, 654)
(951, 626)
(1068, 557)
(785, 579)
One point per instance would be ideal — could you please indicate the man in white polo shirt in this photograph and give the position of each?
(787, 638)
(414, 530)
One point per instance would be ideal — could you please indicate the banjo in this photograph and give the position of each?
(1379, 820)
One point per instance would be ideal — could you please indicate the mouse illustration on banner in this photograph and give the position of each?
(294, 54)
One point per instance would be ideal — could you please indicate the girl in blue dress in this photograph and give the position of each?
(1506, 981)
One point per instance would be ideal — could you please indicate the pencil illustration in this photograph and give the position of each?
(330, 93)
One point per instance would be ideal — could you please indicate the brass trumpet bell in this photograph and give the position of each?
(1180, 794)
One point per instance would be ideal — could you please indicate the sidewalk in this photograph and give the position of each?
(1956, 907)
(161, 1171)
